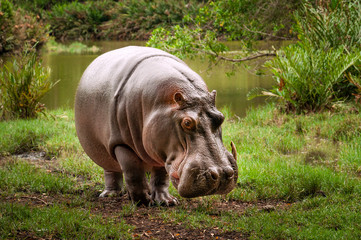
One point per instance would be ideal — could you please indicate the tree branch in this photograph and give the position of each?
(246, 58)
(240, 59)
(267, 34)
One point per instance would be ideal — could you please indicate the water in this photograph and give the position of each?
(231, 91)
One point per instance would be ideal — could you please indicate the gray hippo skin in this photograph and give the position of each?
(139, 110)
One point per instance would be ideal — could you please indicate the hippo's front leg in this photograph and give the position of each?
(134, 175)
(113, 184)
(160, 183)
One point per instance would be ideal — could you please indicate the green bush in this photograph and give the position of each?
(77, 20)
(23, 83)
(136, 19)
(307, 77)
(337, 24)
(331, 27)
(247, 20)
(19, 28)
(6, 23)
(38, 6)
(324, 66)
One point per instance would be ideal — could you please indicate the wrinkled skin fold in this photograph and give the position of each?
(139, 110)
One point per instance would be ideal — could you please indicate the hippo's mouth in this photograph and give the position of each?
(198, 182)
(176, 171)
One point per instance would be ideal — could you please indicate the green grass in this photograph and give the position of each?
(20, 176)
(57, 222)
(313, 218)
(75, 48)
(53, 133)
(306, 166)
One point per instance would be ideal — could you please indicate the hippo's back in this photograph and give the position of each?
(95, 100)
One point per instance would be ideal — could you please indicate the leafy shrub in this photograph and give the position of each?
(136, 19)
(6, 23)
(324, 67)
(336, 24)
(247, 20)
(22, 84)
(307, 77)
(77, 20)
(187, 43)
(19, 28)
(38, 5)
(331, 27)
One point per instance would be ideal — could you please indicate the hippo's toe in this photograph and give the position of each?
(164, 198)
(111, 193)
(140, 198)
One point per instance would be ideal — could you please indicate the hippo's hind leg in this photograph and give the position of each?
(134, 175)
(160, 183)
(113, 184)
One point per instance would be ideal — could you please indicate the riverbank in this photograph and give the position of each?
(299, 177)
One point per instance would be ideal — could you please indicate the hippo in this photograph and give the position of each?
(141, 110)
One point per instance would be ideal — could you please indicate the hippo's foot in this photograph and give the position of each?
(113, 184)
(164, 198)
(160, 183)
(140, 198)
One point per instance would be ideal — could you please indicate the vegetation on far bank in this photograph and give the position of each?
(66, 20)
(301, 172)
(34, 21)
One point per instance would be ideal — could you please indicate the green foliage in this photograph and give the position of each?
(19, 28)
(307, 77)
(324, 67)
(247, 20)
(108, 19)
(337, 24)
(22, 84)
(78, 21)
(7, 24)
(39, 5)
(187, 43)
(136, 19)
(325, 28)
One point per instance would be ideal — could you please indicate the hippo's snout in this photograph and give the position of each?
(196, 181)
(218, 175)
(199, 176)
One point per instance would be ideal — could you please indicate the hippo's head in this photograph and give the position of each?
(197, 161)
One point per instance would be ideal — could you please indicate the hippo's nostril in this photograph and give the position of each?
(229, 172)
(214, 174)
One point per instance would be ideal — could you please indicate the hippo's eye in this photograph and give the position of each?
(188, 123)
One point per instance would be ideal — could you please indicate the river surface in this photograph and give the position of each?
(231, 90)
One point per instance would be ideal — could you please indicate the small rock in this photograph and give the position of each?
(268, 208)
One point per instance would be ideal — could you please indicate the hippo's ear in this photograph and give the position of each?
(179, 99)
(213, 96)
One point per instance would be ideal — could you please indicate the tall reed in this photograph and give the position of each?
(23, 82)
